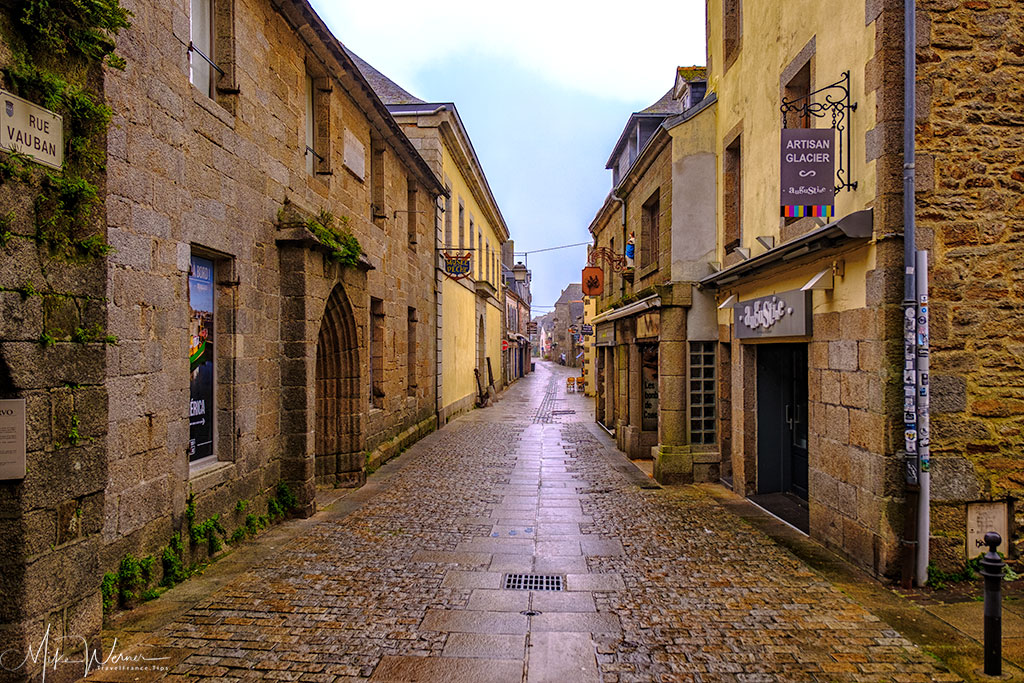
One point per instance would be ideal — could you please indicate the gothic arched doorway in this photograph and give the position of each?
(337, 395)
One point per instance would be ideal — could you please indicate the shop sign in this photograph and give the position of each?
(531, 327)
(808, 168)
(588, 330)
(648, 325)
(605, 334)
(31, 130)
(786, 314)
(457, 266)
(12, 438)
(593, 281)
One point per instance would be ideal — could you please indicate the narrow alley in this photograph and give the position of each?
(630, 582)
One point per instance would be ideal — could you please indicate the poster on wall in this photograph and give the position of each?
(201, 337)
(649, 386)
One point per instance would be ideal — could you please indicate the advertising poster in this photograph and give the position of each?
(200, 301)
(649, 385)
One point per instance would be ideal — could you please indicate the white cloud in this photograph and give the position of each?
(619, 50)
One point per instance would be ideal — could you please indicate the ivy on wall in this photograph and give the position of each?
(52, 51)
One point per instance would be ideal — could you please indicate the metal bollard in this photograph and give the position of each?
(992, 569)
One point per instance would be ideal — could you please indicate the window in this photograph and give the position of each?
(201, 54)
(795, 91)
(411, 352)
(479, 249)
(412, 213)
(448, 217)
(211, 50)
(376, 344)
(732, 30)
(490, 260)
(201, 352)
(650, 238)
(310, 127)
(732, 195)
(476, 256)
(318, 119)
(702, 392)
(462, 226)
(377, 212)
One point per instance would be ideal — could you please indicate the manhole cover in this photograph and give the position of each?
(533, 582)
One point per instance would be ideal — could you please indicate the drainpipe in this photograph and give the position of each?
(915, 535)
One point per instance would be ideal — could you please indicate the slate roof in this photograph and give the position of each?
(387, 90)
(573, 292)
(667, 105)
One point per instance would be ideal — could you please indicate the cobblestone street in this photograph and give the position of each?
(657, 584)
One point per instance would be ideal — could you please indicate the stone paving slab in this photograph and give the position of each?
(408, 585)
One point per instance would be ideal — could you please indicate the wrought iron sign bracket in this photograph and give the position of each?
(617, 261)
(837, 105)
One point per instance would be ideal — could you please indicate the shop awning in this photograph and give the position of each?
(653, 301)
(855, 226)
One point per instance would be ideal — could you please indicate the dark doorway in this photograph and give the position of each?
(336, 436)
(782, 432)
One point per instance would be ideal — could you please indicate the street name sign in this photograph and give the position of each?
(31, 130)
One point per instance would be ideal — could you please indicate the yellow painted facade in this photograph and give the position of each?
(749, 95)
(463, 303)
(589, 345)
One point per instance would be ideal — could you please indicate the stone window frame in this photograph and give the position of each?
(378, 200)
(732, 189)
(447, 216)
(221, 56)
(411, 347)
(224, 315)
(732, 31)
(412, 212)
(375, 343)
(317, 110)
(650, 233)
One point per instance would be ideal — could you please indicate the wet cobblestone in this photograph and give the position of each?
(661, 584)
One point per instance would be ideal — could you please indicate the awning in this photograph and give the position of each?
(856, 226)
(653, 301)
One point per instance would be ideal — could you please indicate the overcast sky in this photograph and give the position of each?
(544, 89)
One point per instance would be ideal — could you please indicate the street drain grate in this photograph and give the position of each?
(563, 412)
(533, 582)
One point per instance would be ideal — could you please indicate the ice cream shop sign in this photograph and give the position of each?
(786, 314)
(29, 129)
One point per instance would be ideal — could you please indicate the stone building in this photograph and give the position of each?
(470, 318)
(810, 324)
(273, 229)
(655, 369)
(568, 316)
(516, 357)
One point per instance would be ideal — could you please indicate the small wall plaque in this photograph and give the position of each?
(983, 518)
(12, 438)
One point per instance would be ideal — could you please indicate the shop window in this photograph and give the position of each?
(650, 237)
(411, 352)
(732, 30)
(211, 321)
(376, 344)
(702, 392)
(732, 195)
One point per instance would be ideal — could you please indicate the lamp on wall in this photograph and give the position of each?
(520, 272)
